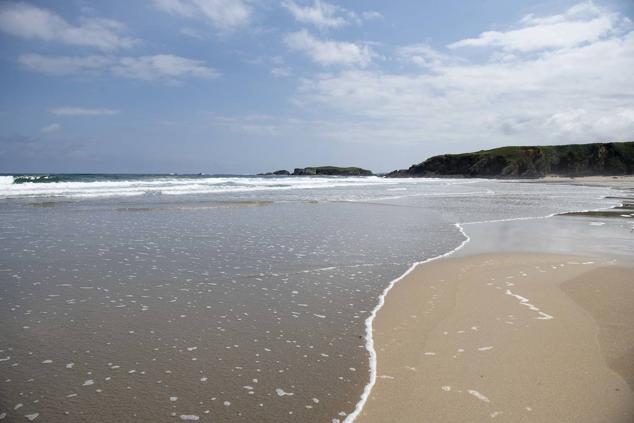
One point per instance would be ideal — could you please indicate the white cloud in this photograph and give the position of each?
(575, 94)
(82, 111)
(224, 15)
(329, 52)
(65, 65)
(423, 55)
(326, 15)
(161, 67)
(320, 14)
(53, 127)
(581, 24)
(31, 22)
(371, 15)
(281, 71)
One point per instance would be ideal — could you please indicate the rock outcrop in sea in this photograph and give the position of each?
(323, 171)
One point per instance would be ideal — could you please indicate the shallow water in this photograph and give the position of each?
(227, 304)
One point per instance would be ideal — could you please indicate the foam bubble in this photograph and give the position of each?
(280, 392)
(478, 395)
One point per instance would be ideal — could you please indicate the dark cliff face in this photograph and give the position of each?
(530, 162)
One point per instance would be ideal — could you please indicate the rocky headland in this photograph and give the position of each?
(572, 160)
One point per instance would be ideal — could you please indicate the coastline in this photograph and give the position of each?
(399, 391)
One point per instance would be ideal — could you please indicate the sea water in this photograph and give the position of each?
(235, 299)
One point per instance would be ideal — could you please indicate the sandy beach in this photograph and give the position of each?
(509, 335)
(520, 337)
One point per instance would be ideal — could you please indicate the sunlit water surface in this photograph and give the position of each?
(221, 299)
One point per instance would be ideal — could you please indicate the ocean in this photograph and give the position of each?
(219, 298)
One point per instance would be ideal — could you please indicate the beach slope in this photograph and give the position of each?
(522, 337)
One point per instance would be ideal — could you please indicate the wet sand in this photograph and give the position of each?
(520, 337)
(626, 182)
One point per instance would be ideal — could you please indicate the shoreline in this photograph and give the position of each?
(475, 337)
(360, 412)
(369, 325)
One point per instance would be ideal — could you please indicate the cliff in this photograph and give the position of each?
(614, 158)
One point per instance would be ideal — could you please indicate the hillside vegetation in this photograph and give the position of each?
(614, 158)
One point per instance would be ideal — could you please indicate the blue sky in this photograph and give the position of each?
(243, 86)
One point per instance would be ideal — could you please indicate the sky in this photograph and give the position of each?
(246, 86)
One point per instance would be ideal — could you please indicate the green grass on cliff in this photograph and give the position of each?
(614, 158)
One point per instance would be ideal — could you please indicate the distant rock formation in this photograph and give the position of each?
(614, 158)
(276, 173)
(332, 171)
(322, 170)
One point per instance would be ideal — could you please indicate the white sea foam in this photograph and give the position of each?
(280, 392)
(478, 395)
(368, 326)
(526, 302)
(184, 185)
(177, 186)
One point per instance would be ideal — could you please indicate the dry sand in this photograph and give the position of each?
(515, 337)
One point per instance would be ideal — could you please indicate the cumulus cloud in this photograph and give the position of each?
(579, 93)
(31, 22)
(160, 67)
(224, 15)
(327, 52)
(326, 15)
(581, 24)
(81, 111)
